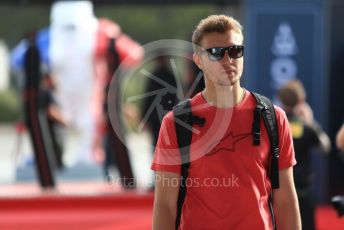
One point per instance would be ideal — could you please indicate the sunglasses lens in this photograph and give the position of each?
(236, 51)
(216, 54)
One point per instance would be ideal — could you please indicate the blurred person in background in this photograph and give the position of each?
(338, 200)
(307, 134)
(30, 65)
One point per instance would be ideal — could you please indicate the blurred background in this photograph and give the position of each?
(79, 169)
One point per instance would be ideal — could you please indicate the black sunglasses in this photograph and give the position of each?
(217, 53)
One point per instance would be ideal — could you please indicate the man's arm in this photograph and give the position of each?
(304, 112)
(285, 202)
(322, 137)
(165, 200)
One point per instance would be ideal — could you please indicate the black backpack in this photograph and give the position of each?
(182, 113)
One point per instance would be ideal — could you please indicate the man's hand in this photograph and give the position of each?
(304, 112)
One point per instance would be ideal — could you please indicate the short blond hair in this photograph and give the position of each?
(214, 23)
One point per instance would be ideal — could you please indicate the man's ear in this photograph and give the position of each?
(197, 59)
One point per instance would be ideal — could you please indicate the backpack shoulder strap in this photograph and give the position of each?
(183, 123)
(183, 120)
(266, 108)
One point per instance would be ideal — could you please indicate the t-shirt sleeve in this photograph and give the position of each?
(287, 153)
(166, 155)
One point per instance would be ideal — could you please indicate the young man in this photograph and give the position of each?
(228, 185)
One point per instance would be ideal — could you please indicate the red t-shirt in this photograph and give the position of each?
(228, 185)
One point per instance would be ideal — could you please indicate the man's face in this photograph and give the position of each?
(227, 71)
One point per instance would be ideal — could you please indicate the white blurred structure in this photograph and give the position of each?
(4, 67)
(73, 32)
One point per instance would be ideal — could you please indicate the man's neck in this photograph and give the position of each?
(224, 96)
